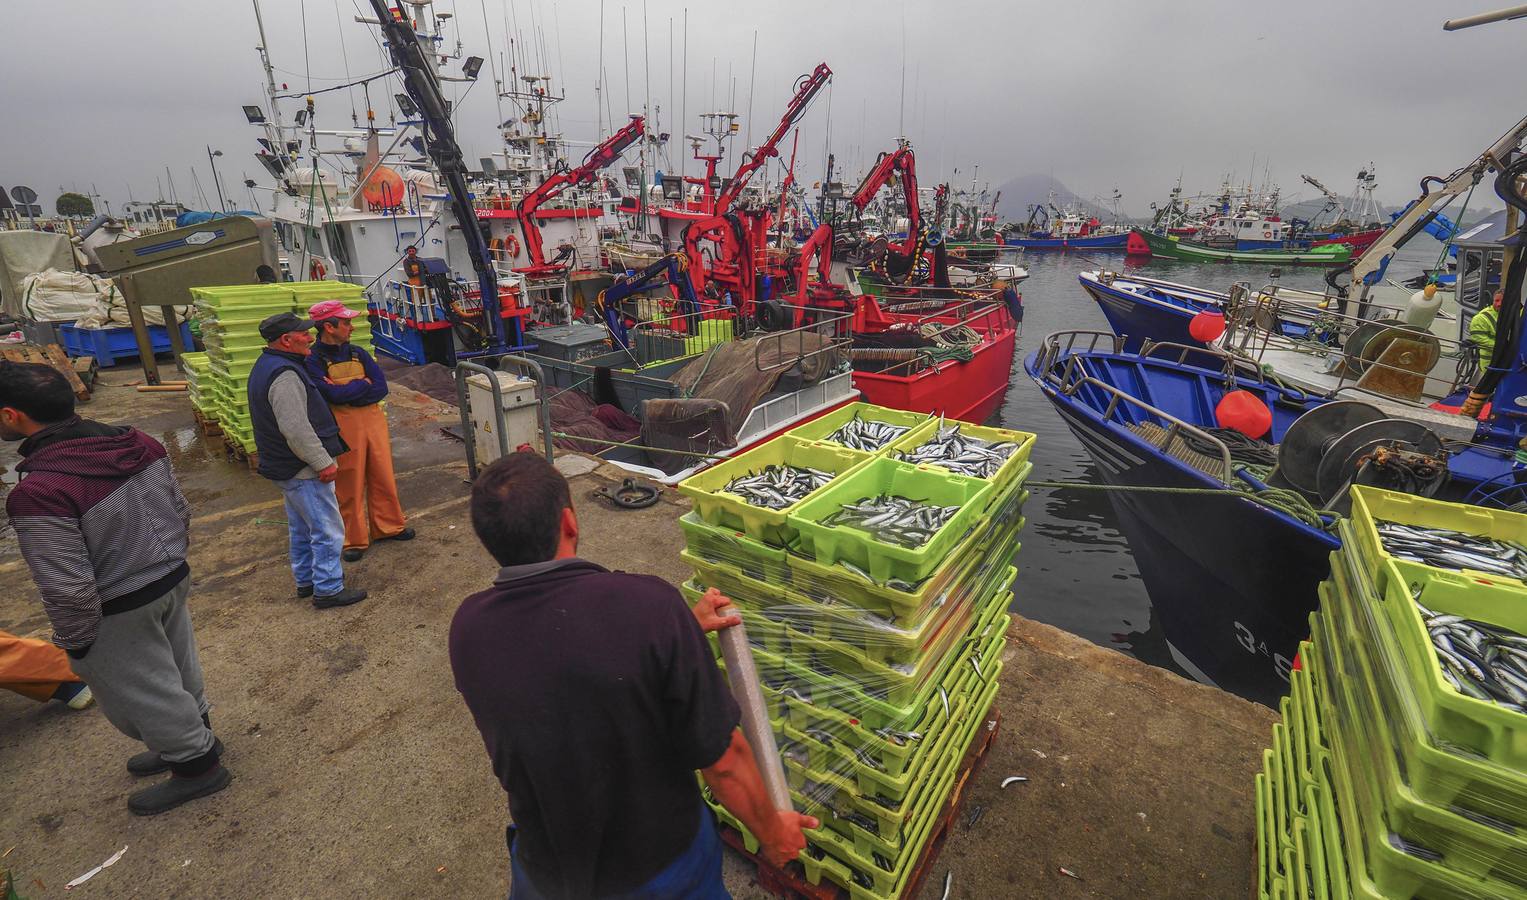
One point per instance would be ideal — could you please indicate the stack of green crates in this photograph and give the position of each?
(878, 664)
(230, 317)
(198, 382)
(1383, 780)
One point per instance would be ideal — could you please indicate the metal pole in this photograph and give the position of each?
(222, 205)
(1515, 12)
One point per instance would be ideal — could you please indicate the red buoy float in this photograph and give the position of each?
(1207, 326)
(1136, 245)
(1245, 412)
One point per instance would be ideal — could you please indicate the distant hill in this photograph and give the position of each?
(1024, 191)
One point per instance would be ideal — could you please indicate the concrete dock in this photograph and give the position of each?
(358, 771)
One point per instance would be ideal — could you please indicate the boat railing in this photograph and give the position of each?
(1347, 344)
(830, 333)
(1051, 350)
(1174, 429)
(983, 316)
(1227, 362)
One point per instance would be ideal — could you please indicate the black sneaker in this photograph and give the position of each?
(170, 793)
(352, 554)
(406, 534)
(149, 762)
(304, 591)
(343, 598)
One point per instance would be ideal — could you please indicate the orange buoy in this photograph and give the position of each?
(1245, 412)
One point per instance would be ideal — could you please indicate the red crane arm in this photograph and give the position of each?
(808, 89)
(905, 162)
(598, 158)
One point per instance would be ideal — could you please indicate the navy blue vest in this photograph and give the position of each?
(277, 461)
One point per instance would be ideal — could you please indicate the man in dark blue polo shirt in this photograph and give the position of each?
(598, 697)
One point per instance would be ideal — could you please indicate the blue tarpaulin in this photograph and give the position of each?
(197, 217)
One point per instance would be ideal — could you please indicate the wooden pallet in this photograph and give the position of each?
(237, 453)
(50, 355)
(208, 425)
(790, 881)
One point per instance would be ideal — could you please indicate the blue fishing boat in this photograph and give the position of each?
(1231, 533)
(1142, 309)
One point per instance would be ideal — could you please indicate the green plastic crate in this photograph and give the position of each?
(1441, 773)
(1012, 470)
(1470, 847)
(1373, 504)
(1265, 864)
(819, 428)
(831, 543)
(707, 488)
(1376, 867)
(991, 537)
(1278, 785)
(1498, 733)
(718, 545)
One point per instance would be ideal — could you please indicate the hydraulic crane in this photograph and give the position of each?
(737, 236)
(423, 86)
(598, 158)
(672, 267)
(902, 161)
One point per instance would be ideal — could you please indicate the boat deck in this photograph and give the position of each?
(1180, 451)
(358, 771)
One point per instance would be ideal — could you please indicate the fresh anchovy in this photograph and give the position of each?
(882, 862)
(1454, 550)
(866, 435)
(865, 757)
(1486, 662)
(962, 454)
(861, 820)
(1414, 849)
(861, 879)
(896, 520)
(944, 695)
(899, 738)
(1013, 779)
(820, 735)
(777, 487)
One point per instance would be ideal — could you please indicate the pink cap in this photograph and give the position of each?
(331, 309)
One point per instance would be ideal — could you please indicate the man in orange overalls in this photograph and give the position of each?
(41, 671)
(353, 384)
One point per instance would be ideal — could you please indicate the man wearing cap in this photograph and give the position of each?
(353, 384)
(297, 440)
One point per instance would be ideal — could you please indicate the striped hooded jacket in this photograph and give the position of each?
(101, 523)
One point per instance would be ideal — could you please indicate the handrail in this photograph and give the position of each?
(1172, 434)
(1050, 349)
(833, 326)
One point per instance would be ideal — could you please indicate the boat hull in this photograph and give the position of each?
(1232, 583)
(1166, 247)
(1087, 242)
(1136, 319)
(969, 391)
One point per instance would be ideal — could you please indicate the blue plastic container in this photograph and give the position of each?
(107, 345)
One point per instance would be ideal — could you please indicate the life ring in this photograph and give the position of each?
(508, 245)
(1267, 234)
(317, 271)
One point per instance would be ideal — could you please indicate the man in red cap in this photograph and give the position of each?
(353, 384)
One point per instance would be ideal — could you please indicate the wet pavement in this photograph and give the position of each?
(358, 771)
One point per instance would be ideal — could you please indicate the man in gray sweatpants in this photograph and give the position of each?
(104, 529)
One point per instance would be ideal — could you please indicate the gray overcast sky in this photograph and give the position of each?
(1099, 94)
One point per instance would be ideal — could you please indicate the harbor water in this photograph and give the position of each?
(1076, 571)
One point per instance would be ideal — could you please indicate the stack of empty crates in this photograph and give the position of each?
(1389, 777)
(230, 317)
(878, 661)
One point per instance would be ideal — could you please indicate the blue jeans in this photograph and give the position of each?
(695, 875)
(317, 533)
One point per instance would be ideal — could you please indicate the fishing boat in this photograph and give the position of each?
(1230, 532)
(1166, 246)
(1052, 227)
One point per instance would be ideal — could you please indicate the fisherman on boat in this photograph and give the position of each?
(1482, 328)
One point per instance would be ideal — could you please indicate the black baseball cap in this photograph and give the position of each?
(281, 323)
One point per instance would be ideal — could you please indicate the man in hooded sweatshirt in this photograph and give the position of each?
(104, 528)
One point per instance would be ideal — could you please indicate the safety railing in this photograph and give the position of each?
(1072, 378)
(1343, 349)
(830, 337)
(1051, 349)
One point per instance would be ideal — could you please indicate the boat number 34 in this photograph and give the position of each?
(1281, 663)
